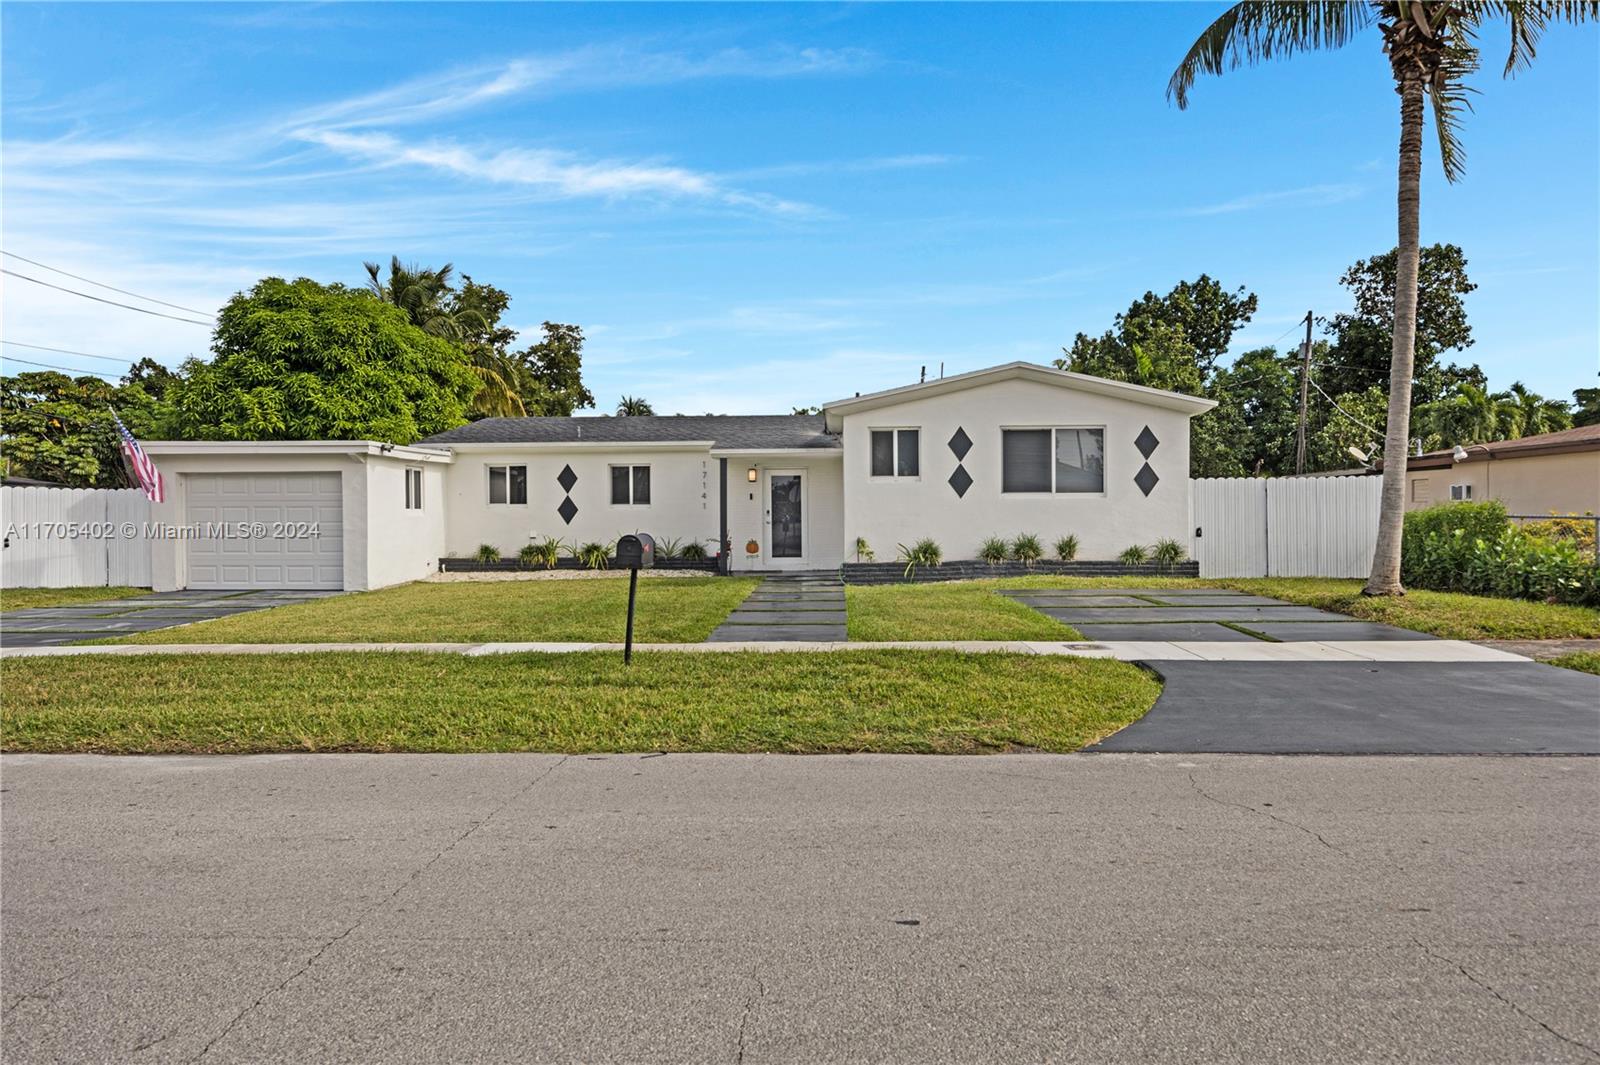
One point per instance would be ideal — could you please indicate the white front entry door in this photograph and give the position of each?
(785, 506)
(281, 505)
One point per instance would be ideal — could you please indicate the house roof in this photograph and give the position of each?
(1582, 438)
(723, 432)
(1049, 375)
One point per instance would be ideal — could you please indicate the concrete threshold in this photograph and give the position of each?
(1123, 650)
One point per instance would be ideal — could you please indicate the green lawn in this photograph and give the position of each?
(905, 701)
(671, 610)
(24, 598)
(1582, 661)
(968, 610)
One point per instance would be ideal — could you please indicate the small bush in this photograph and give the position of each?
(487, 553)
(864, 551)
(669, 547)
(1168, 553)
(1134, 555)
(695, 551)
(993, 550)
(542, 553)
(1027, 549)
(594, 555)
(924, 552)
(1067, 547)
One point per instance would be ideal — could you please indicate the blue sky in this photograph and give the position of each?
(754, 207)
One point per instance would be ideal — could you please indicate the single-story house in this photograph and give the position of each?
(1005, 450)
(1551, 472)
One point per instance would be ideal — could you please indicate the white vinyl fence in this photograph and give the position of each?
(73, 537)
(1285, 526)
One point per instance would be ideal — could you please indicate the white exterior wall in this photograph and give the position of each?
(683, 497)
(891, 511)
(823, 511)
(403, 545)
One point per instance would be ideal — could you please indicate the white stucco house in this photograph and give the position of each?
(1009, 449)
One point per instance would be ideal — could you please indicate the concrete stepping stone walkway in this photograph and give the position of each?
(53, 626)
(803, 608)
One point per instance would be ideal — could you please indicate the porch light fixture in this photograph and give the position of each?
(750, 475)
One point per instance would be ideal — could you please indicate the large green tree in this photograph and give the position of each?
(1586, 406)
(59, 428)
(296, 360)
(1431, 48)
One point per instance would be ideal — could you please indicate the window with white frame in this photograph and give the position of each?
(1066, 460)
(896, 453)
(508, 484)
(1460, 492)
(630, 486)
(413, 488)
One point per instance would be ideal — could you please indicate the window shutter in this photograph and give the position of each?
(1025, 460)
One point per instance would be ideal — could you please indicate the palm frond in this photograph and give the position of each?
(495, 398)
(1451, 96)
(1528, 19)
(1257, 30)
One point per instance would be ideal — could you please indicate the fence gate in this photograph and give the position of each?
(73, 537)
(1285, 526)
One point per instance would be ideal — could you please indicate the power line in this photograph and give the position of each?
(101, 284)
(50, 366)
(97, 299)
(1346, 413)
(69, 351)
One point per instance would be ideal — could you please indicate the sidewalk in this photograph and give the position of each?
(1127, 651)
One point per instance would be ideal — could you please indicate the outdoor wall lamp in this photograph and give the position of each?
(750, 475)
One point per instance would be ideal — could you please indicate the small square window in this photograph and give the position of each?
(508, 484)
(1460, 492)
(896, 453)
(630, 486)
(413, 489)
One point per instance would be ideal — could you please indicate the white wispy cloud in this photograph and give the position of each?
(1309, 196)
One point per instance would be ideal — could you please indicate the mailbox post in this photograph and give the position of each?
(636, 552)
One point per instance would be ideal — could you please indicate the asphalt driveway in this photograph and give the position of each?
(50, 626)
(529, 908)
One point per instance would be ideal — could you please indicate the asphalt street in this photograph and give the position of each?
(703, 908)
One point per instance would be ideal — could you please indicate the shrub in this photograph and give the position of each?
(1168, 553)
(487, 553)
(594, 555)
(993, 550)
(1478, 521)
(669, 547)
(1580, 531)
(924, 552)
(1134, 555)
(864, 551)
(1027, 549)
(1067, 547)
(545, 553)
(695, 551)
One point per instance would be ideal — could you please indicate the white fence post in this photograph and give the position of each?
(73, 537)
(1285, 526)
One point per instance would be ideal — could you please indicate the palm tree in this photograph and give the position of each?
(1532, 414)
(1431, 49)
(1468, 415)
(629, 407)
(423, 293)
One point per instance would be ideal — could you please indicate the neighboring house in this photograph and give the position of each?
(1551, 472)
(1014, 448)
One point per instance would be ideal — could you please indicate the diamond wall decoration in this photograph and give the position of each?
(569, 510)
(961, 480)
(1146, 479)
(566, 478)
(960, 443)
(1146, 443)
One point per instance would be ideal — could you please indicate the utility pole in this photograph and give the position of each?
(1305, 388)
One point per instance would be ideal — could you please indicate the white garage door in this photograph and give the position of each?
(301, 515)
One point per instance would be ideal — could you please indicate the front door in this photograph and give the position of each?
(786, 519)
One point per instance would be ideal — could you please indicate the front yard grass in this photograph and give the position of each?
(27, 598)
(967, 610)
(1582, 661)
(891, 701)
(670, 610)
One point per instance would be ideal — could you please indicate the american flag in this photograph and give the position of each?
(145, 470)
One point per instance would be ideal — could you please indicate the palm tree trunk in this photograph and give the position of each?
(1385, 578)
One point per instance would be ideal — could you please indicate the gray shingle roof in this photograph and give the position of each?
(755, 432)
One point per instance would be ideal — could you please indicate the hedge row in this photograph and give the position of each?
(1475, 548)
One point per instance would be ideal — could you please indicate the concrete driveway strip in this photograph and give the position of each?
(528, 908)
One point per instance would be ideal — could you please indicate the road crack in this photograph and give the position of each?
(1313, 833)
(755, 996)
(1485, 985)
(374, 908)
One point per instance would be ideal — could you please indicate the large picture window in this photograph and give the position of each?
(630, 486)
(508, 484)
(895, 453)
(1053, 460)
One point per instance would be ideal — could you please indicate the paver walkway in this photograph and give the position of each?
(1199, 614)
(50, 626)
(799, 607)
